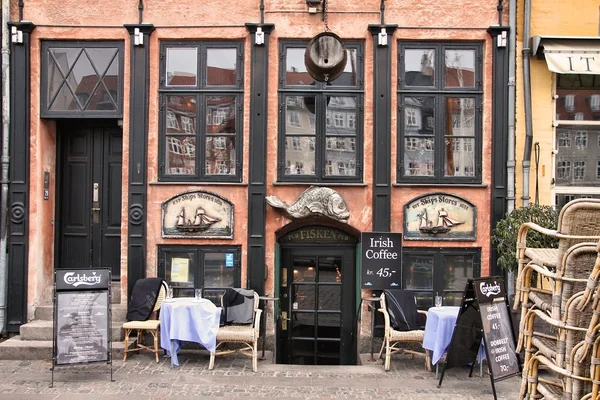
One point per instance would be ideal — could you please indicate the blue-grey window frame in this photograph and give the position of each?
(201, 90)
(439, 92)
(321, 90)
(47, 113)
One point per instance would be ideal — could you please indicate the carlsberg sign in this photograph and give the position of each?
(82, 279)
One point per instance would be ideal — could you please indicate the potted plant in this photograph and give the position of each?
(505, 234)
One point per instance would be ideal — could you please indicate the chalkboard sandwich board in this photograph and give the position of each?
(82, 315)
(484, 315)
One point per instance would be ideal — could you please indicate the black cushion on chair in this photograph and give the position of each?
(239, 306)
(143, 299)
(402, 309)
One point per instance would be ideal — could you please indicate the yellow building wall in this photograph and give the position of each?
(548, 18)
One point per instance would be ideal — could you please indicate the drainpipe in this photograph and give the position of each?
(510, 162)
(4, 161)
(527, 97)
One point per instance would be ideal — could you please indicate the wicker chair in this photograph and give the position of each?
(579, 221)
(563, 354)
(150, 325)
(392, 338)
(246, 334)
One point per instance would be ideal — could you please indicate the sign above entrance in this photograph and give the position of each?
(197, 214)
(317, 235)
(440, 216)
(381, 260)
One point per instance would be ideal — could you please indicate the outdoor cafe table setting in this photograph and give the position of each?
(438, 332)
(188, 319)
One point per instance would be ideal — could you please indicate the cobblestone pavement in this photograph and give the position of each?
(142, 378)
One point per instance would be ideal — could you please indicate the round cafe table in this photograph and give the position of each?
(438, 333)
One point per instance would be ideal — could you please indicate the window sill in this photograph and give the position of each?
(194, 183)
(438, 185)
(328, 184)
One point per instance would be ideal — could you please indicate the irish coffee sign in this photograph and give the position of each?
(381, 260)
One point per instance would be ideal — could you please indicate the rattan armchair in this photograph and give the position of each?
(562, 354)
(393, 339)
(578, 221)
(246, 334)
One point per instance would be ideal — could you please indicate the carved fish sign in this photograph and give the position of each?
(314, 201)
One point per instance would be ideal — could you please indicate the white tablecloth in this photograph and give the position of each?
(189, 320)
(438, 330)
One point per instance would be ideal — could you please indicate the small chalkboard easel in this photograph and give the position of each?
(484, 314)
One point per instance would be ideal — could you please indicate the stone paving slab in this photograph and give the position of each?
(142, 378)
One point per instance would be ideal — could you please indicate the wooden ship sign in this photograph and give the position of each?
(440, 216)
(197, 214)
(201, 221)
(443, 224)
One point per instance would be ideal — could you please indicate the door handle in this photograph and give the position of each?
(284, 320)
(96, 203)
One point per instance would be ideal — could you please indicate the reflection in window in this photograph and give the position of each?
(579, 170)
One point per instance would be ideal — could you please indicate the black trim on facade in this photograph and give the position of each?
(382, 128)
(18, 196)
(257, 183)
(138, 154)
(500, 83)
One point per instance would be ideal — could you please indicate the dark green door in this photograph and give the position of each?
(89, 201)
(317, 295)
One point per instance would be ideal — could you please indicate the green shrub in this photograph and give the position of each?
(505, 234)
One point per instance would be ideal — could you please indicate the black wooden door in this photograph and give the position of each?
(89, 202)
(317, 295)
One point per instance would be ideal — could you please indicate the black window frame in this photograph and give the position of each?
(440, 92)
(199, 251)
(45, 112)
(321, 91)
(200, 91)
(438, 255)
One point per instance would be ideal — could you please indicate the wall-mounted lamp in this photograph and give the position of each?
(382, 38)
(501, 39)
(259, 36)
(17, 35)
(138, 37)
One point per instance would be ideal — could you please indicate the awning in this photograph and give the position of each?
(568, 54)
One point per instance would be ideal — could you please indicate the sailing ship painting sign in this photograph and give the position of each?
(440, 216)
(197, 214)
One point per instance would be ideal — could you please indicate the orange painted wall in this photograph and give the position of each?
(185, 19)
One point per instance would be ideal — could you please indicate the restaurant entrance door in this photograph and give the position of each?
(317, 292)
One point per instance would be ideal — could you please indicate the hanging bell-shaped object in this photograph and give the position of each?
(325, 57)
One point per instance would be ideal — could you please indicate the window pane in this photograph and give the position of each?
(299, 155)
(460, 68)
(181, 155)
(341, 115)
(182, 66)
(220, 114)
(217, 273)
(578, 155)
(419, 115)
(349, 76)
(578, 97)
(418, 272)
(456, 270)
(329, 269)
(304, 269)
(220, 155)
(298, 112)
(180, 270)
(221, 67)
(460, 156)
(295, 70)
(329, 327)
(303, 296)
(419, 156)
(419, 67)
